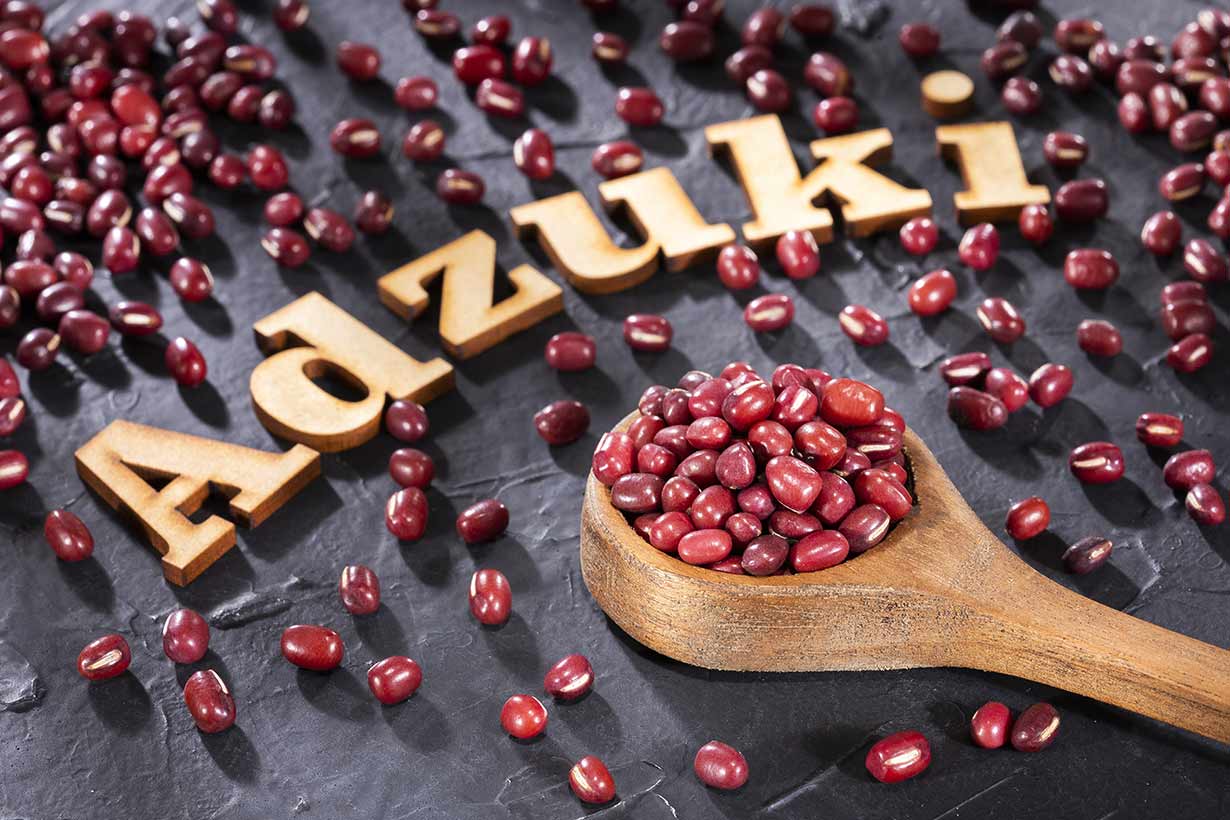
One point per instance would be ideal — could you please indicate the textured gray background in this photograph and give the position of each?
(321, 746)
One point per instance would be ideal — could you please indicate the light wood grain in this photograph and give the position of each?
(996, 188)
(947, 94)
(470, 321)
(942, 590)
(117, 462)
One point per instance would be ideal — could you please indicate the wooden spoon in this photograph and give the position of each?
(941, 590)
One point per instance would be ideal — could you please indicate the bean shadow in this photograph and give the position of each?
(122, 704)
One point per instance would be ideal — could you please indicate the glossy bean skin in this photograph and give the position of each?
(932, 293)
(523, 717)
(209, 702)
(990, 724)
(490, 597)
(863, 325)
(638, 107)
(1035, 728)
(1205, 506)
(394, 679)
(66, 534)
(1082, 200)
(1021, 96)
(1185, 470)
(769, 313)
(1159, 429)
(616, 159)
(1191, 353)
(979, 247)
(975, 410)
(485, 520)
(864, 527)
(1028, 518)
(705, 546)
(359, 590)
(316, 648)
(405, 514)
(570, 352)
(965, 368)
(406, 421)
(1097, 462)
(1098, 337)
(737, 267)
(1090, 269)
(104, 658)
(14, 468)
(1035, 223)
(819, 550)
(570, 678)
(562, 422)
(720, 766)
(899, 757)
(591, 781)
(1086, 555)
(647, 333)
(798, 254)
(1161, 233)
(184, 361)
(1050, 384)
(185, 636)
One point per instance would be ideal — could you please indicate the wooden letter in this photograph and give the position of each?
(996, 189)
(947, 94)
(782, 201)
(117, 462)
(312, 337)
(469, 322)
(581, 249)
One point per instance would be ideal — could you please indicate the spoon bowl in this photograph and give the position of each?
(940, 590)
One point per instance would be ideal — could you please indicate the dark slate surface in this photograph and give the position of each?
(320, 746)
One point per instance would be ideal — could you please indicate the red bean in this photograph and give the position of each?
(14, 468)
(424, 142)
(613, 458)
(1084, 557)
(1203, 263)
(416, 93)
(38, 349)
(1097, 462)
(1028, 518)
(436, 25)
(1098, 337)
(591, 781)
(979, 246)
(1139, 76)
(57, 299)
(769, 313)
(291, 15)
(899, 757)
(1193, 131)
(705, 546)
(720, 766)
(798, 254)
(1000, 319)
(287, 247)
(1050, 384)
(609, 48)
(355, 138)
(745, 62)
(1161, 233)
(534, 154)
(1071, 73)
(617, 159)
(1205, 505)
(473, 64)
(531, 61)
(329, 229)
(686, 41)
(639, 107)
(647, 333)
(737, 267)
(863, 325)
(1035, 728)
(490, 597)
(919, 236)
(932, 293)
(976, 410)
(1003, 59)
(359, 61)
(1191, 353)
(185, 362)
(851, 403)
(1159, 429)
(1187, 317)
(373, 213)
(570, 678)
(1021, 96)
(989, 726)
(919, 39)
(1063, 149)
(185, 636)
(312, 647)
(828, 75)
(965, 368)
(562, 422)
(1182, 182)
(359, 589)
(1082, 200)
(209, 702)
(135, 318)
(104, 658)
(811, 19)
(66, 534)
(523, 717)
(267, 168)
(406, 421)
(864, 527)
(836, 115)
(1183, 292)
(1187, 469)
(458, 187)
(485, 520)
(881, 489)
(405, 514)
(394, 679)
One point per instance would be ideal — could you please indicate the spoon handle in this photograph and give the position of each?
(1046, 633)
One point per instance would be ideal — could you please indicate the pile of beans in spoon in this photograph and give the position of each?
(756, 477)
